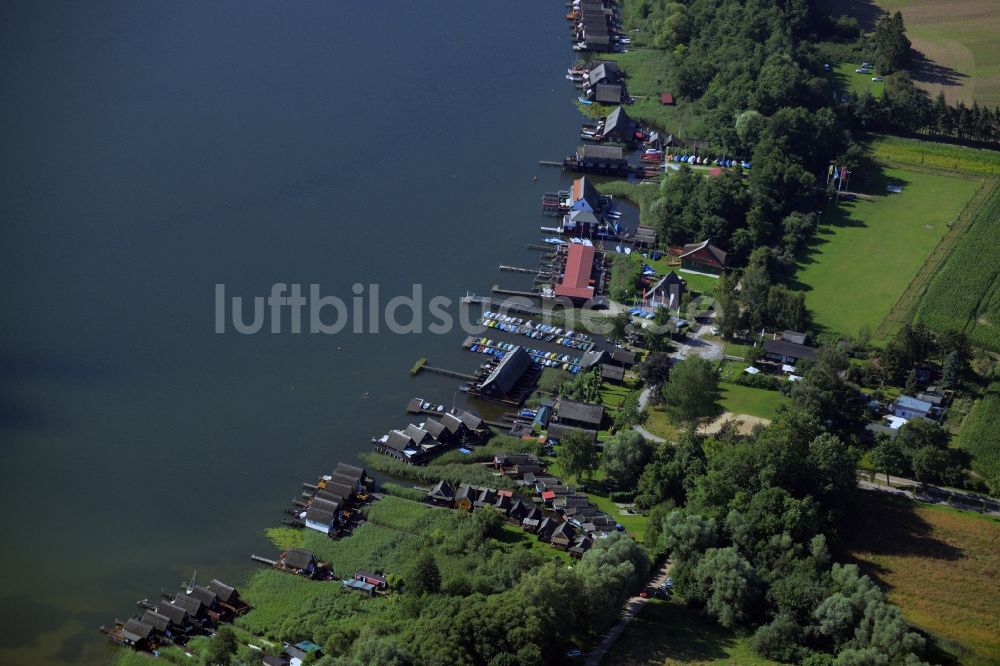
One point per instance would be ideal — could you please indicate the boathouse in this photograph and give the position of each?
(509, 380)
(137, 634)
(442, 494)
(584, 196)
(178, 617)
(668, 292)
(321, 518)
(605, 160)
(576, 276)
(193, 605)
(356, 473)
(465, 496)
(703, 258)
(160, 623)
(608, 94)
(605, 71)
(619, 127)
(228, 597)
(581, 223)
(300, 561)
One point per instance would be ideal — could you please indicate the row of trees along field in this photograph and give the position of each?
(903, 107)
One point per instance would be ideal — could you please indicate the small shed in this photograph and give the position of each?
(360, 586)
(666, 98)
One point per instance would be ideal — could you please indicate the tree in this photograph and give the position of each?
(222, 647)
(487, 521)
(692, 392)
(727, 585)
(629, 413)
(424, 576)
(892, 47)
(577, 453)
(888, 457)
(620, 325)
(655, 370)
(625, 456)
(952, 371)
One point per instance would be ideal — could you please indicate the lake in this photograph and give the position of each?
(155, 150)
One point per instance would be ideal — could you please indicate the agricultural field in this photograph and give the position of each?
(868, 250)
(956, 45)
(668, 632)
(965, 292)
(846, 80)
(981, 435)
(940, 566)
(900, 152)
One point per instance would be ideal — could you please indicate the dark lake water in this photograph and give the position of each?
(154, 150)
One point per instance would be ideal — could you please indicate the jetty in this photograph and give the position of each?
(422, 366)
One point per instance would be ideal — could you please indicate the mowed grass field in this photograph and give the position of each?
(940, 566)
(868, 250)
(667, 632)
(847, 80)
(753, 401)
(958, 39)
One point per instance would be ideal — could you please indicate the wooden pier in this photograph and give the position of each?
(517, 269)
(263, 560)
(497, 289)
(421, 365)
(549, 163)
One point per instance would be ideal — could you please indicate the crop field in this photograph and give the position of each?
(940, 566)
(900, 152)
(868, 250)
(965, 293)
(957, 46)
(981, 435)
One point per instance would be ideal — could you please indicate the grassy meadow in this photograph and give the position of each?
(847, 80)
(667, 632)
(940, 566)
(957, 46)
(868, 250)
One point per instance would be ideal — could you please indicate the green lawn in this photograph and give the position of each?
(753, 401)
(667, 632)
(658, 424)
(847, 80)
(868, 250)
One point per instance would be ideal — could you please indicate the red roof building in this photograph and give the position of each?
(549, 495)
(666, 98)
(576, 277)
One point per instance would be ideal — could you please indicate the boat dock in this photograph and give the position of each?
(421, 365)
(263, 560)
(497, 289)
(517, 269)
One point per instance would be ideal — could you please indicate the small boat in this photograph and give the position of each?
(584, 100)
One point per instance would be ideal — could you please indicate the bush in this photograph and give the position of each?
(622, 496)
(762, 381)
(390, 488)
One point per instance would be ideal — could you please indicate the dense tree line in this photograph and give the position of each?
(749, 538)
(744, 69)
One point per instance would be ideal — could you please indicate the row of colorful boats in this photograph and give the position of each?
(541, 332)
(547, 359)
